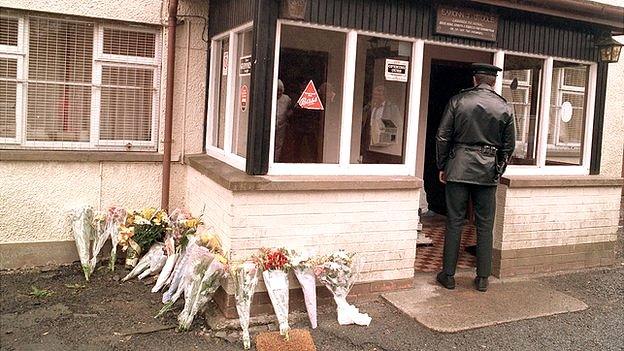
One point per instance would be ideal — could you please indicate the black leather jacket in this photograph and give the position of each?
(474, 121)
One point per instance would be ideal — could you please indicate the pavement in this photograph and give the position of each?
(464, 308)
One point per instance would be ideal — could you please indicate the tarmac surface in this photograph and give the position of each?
(108, 315)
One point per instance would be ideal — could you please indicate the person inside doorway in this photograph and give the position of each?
(282, 115)
(380, 109)
(474, 142)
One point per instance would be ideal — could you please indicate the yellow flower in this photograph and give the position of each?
(191, 223)
(210, 241)
(222, 259)
(148, 212)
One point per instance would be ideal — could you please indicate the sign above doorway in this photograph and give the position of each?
(466, 23)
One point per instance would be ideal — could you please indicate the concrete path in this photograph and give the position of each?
(464, 308)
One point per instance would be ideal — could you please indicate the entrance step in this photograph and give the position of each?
(465, 308)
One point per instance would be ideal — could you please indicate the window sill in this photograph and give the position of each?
(547, 181)
(80, 156)
(236, 180)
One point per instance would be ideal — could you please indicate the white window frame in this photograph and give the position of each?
(17, 53)
(544, 120)
(226, 155)
(344, 165)
(99, 58)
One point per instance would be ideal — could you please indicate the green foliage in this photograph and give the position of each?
(40, 293)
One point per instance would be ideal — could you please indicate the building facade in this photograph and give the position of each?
(308, 129)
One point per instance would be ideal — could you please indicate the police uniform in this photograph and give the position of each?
(475, 139)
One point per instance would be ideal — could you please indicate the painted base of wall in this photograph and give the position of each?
(42, 253)
(508, 263)
(261, 303)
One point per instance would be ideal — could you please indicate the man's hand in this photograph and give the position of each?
(442, 177)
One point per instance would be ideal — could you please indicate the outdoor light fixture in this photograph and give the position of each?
(609, 50)
(294, 9)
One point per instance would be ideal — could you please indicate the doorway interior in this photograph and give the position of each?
(445, 74)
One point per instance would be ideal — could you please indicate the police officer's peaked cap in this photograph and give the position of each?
(484, 68)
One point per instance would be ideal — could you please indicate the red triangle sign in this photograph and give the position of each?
(309, 99)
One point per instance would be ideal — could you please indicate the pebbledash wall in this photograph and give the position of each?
(38, 187)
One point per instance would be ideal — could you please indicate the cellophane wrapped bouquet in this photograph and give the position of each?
(81, 219)
(303, 266)
(245, 276)
(188, 277)
(99, 236)
(275, 265)
(151, 263)
(141, 230)
(115, 218)
(181, 227)
(338, 272)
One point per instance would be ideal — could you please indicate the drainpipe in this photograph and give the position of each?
(171, 36)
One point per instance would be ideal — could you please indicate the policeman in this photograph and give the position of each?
(475, 140)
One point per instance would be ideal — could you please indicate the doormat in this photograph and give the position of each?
(465, 308)
(300, 340)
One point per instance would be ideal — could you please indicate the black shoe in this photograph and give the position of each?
(447, 281)
(481, 283)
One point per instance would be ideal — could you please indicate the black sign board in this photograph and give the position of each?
(466, 23)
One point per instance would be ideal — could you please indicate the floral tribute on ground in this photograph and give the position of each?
(190, 263)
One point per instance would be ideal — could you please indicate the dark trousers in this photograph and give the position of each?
(484, 203)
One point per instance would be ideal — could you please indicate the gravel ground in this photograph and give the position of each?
(88, 318)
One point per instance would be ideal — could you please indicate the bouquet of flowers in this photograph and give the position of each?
(338, 273)
(151, 263)
(275, 264)
(245, 280)
(81, 219)
(115, 217)
(141, 230)
(182, 227)
(99, 236)
(199, 254)
(303, 266)
(204, 283)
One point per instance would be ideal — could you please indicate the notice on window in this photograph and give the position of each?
(226, 62)
(244, 97)
(397, 70)
(245, 66)
(310, 99)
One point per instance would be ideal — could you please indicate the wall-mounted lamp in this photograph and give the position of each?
(609, 50)
(294, 9)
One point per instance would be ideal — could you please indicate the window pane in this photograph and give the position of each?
(126, 104)
(309, 112)
(8, 31)
(242, 85)
(59, 91)
(221, 94)
(567, 114)
(8, 90)
(380, 101)
(129, 43)
(521, 88)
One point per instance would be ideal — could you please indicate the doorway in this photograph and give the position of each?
(447, 78)
(446, 72)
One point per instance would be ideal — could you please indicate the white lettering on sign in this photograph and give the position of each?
(245, 66)
(397, 70)
(309, 99)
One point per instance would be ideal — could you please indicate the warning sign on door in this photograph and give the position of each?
(396, 70)
(244, 97)
(245, 66)
(309, 99)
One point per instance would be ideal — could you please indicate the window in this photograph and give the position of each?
(311, 73)
(522, 78)
(229, 95)
(380, 100)
(87, 85)
(342, 102)
(567, 114)
(553, 107)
